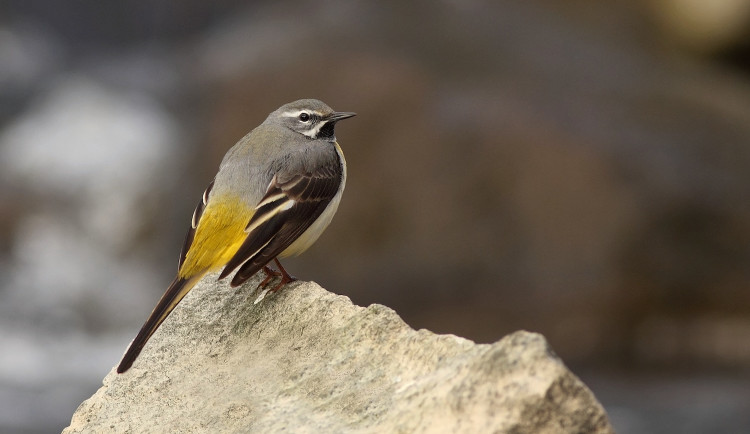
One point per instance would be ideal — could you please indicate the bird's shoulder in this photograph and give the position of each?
(306, 158)
(267, 153)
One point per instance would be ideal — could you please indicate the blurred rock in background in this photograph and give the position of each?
(580, 169)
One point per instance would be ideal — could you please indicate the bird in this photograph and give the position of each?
(275, 192)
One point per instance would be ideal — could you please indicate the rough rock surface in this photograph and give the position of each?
(307, 360)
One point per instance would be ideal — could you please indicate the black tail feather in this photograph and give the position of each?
(176, 291)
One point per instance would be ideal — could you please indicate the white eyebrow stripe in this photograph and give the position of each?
(295, 113)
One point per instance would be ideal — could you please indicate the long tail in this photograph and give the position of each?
(176, 291)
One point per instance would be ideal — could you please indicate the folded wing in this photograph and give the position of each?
(293, 201)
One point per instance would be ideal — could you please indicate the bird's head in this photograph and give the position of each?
(309, 117)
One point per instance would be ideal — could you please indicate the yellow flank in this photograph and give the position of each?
(220, 233)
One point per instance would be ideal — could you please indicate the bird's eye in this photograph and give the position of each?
(304, 117)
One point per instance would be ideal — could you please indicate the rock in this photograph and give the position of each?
(307, 360)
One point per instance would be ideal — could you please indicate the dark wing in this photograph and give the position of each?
(291, 204)
(194, 224)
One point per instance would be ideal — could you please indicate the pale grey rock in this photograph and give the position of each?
(306, 360)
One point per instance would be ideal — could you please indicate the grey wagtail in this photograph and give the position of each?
(276, 191)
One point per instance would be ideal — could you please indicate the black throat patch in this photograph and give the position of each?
(326, 131)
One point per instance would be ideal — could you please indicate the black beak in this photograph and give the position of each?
(337, 116)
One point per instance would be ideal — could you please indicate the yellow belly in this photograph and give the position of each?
(220, 233)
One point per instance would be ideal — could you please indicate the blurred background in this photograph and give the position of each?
(577, 168)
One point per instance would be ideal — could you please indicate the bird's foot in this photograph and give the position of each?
(271, 274)
(285, 277)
